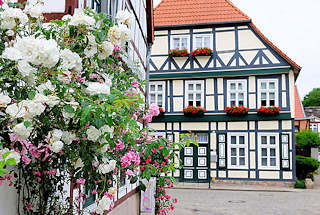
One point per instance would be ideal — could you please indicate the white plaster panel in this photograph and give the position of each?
(284, 87)
(213, 138)
(237, 174)
(213, 165)
(268, 125)
(226, 57)
(284, 99)
(252, 160)
(237, 126)
(248, 40)
(222, 174)
(220, 85)
(225, 41)
(248, 55)
(252, 140)
(252, 101)
(177, 87)
(177, 104)
(180, 61)
(252, 84)
(269, 174)
(157, 126)
(158, 61)
(271, 57)
(160, 45)
(176, 134)
(287, 175)
(160, 33)
(209, 86)
(202, 30)
(180, 31)
(210, 103)
(224, 28)
(203, 60)
(252, 125)
(57, 6)
(213, 174)
(195, 126)
(252, 174)
(220, 103)
(213, 126)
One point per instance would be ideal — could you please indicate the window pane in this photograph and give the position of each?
(272, 140)
(233, 140)
(272, 162)
(233, 103)
(241, 151)
(233, 96)
(272, 96)
(233, 152)
(264, 140)
(190, 87)
(263, 96)
(198, 42)
(207, 42)
(183, 43)
(241, 139)
(152, 88)
(242, 162)
(263, 85)
(273, 152)
(160, 98)
(198, 97)
(241, 103)
(198, 87)
(264, 152)
(241, 96)
(232, 86)
(190, 103)
(176, 42)
(159, 87)
(152, 98)
(233, 161)
(264, 161)
(198, 103)
(240, 86)
(190, 97)
(272, 85)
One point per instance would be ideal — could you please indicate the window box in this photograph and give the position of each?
(269, 111)
(237, 110)
(193, 111)
(202, 52)
(178, 52)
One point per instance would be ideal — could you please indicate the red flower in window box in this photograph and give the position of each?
(202, 52)
(162, 110)
(194, 111)
(272, 110)
(236, 110)
(178, 52)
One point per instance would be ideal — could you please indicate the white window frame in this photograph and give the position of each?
(269, 146)
(236, 91)
(268, 91)
(180, 37)
(194, 92)
(163, 92)
(238, 146)
(203, 46)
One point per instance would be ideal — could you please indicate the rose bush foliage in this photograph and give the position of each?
(71, 109)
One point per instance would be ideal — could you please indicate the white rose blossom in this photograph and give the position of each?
(99, 88)
(125, 17)
(70, 60)
(79, 164)
(106, 50)
(57, 146)
(67, 137)
(4, 100)
(81, 19)
(93, 134)
(21, 130)
(103, 205)
(16, 110)
(119, 34)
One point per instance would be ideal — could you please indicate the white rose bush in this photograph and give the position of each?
(71, 109)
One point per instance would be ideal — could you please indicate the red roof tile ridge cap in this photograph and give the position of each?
(238, 9)
(286, 57)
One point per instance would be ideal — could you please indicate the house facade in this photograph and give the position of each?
(245, 69)
(301, 122)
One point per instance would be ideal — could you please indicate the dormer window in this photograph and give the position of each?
(202, 41)
(194, 93)
(180, 42)
(267, 92)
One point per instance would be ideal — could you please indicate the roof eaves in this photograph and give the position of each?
(202, 24)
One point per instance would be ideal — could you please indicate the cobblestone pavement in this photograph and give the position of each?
(219, 202)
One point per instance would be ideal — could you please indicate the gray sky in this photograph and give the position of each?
(294, 27)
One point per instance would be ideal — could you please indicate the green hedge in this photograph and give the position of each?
(300, 184)
(305, 166)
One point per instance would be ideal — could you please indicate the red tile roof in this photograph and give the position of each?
(299, 112)
(184, 12)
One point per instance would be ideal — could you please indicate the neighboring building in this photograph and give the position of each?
(245, 69)
(301, 121)
(314, 114)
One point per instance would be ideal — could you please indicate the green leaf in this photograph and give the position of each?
(69, 109)
(134, 180)
(98, 123)
(173, 180)
(11, 161)
(5, 155)
(27, 124)
(143, 187)
(2, 164)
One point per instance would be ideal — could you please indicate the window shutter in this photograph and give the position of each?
(284, 151)
(222, 151)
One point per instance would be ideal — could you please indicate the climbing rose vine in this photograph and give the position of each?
(71, 109)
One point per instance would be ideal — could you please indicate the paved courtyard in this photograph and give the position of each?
(220, 202)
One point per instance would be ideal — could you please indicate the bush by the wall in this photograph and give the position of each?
(305, 166)
(308, 138)
(300, 184)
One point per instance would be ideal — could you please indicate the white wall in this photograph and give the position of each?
(8, 200)
(54, 6)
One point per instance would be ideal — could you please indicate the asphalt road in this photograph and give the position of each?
(213, 202)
